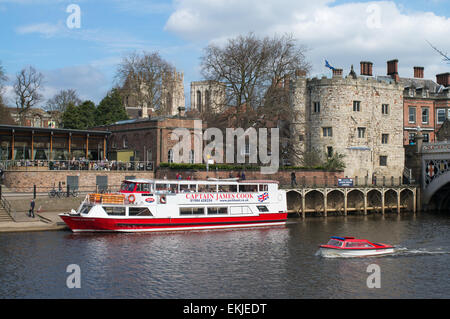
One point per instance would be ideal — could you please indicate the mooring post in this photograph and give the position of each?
(414, 201)
(345, 202)
(365, 202)
(303, 204)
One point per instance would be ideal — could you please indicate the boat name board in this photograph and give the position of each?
(226, 197)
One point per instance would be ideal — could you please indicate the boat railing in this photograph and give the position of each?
(99, 198)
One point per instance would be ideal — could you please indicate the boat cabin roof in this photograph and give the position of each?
(209, 181)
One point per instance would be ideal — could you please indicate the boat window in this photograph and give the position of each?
(192, 211)
(225, 188)
(85, 209)
(187, 188)
(206, 188)
(238, 210)
(143, 187)
(263, 209)
(356, 244)
(217, 210)
(334, 242)
(128, 187)
(115, 211)
(263, 187)
(139, 211)
(248, 188)
(164, 188)
(161, 187)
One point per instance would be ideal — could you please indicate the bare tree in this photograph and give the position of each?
(27, 86)
(59, 102)
(248, 65)
(3, 78)
(140, 77)
(444, 55)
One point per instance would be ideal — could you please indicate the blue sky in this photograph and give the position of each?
(345, 32)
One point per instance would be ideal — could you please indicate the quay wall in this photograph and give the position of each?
(23, 181)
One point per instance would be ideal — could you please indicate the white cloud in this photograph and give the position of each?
(45, 29)
(346, 34)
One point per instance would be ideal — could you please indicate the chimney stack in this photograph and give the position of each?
(337, 73)
(443, 79)
(418, 72)
(366, 68)
(392, 69)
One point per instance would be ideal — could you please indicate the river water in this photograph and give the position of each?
(272, 262)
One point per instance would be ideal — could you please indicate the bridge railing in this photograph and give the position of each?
(357, 181)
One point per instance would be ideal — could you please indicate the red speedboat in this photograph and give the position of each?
(352, 247)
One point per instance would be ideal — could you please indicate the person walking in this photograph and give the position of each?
(31, 212)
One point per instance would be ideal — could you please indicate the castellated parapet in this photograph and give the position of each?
(360, 117)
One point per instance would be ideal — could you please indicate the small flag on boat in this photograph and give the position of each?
(263, 197)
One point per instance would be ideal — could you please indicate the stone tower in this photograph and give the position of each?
(357, 116)
(172, 93)
(208, 96)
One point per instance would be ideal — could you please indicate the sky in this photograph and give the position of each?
(84, 56)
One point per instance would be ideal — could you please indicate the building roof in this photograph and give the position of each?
(49, 130)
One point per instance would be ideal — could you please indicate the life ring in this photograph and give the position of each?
(131, 198)
(162, 200)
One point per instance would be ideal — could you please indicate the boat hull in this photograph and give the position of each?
(336, 252)
(79, 223)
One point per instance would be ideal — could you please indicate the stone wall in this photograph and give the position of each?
(335, 97)
(23, 181)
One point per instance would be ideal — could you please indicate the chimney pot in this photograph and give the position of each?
(443, 79)
(366, 68)
(392, 69)
(418, 72)
(337, 73)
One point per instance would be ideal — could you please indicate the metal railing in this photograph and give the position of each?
(7, 206)
(76, 165)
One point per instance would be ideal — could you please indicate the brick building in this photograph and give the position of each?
(35, 117)
(426, 104)
(149, 140)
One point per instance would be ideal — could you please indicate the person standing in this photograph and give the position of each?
(32, 204)
(293, 179)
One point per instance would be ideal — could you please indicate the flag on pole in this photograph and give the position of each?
(328, 65)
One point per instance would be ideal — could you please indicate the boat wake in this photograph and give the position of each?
(398, 251)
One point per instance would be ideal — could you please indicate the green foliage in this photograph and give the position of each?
(111, 109)
(335, 162)
(71, 118)
(87, 118)
(87, 115)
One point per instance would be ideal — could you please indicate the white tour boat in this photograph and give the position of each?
(166, 205)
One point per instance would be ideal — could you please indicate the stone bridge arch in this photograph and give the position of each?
(434, 186)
